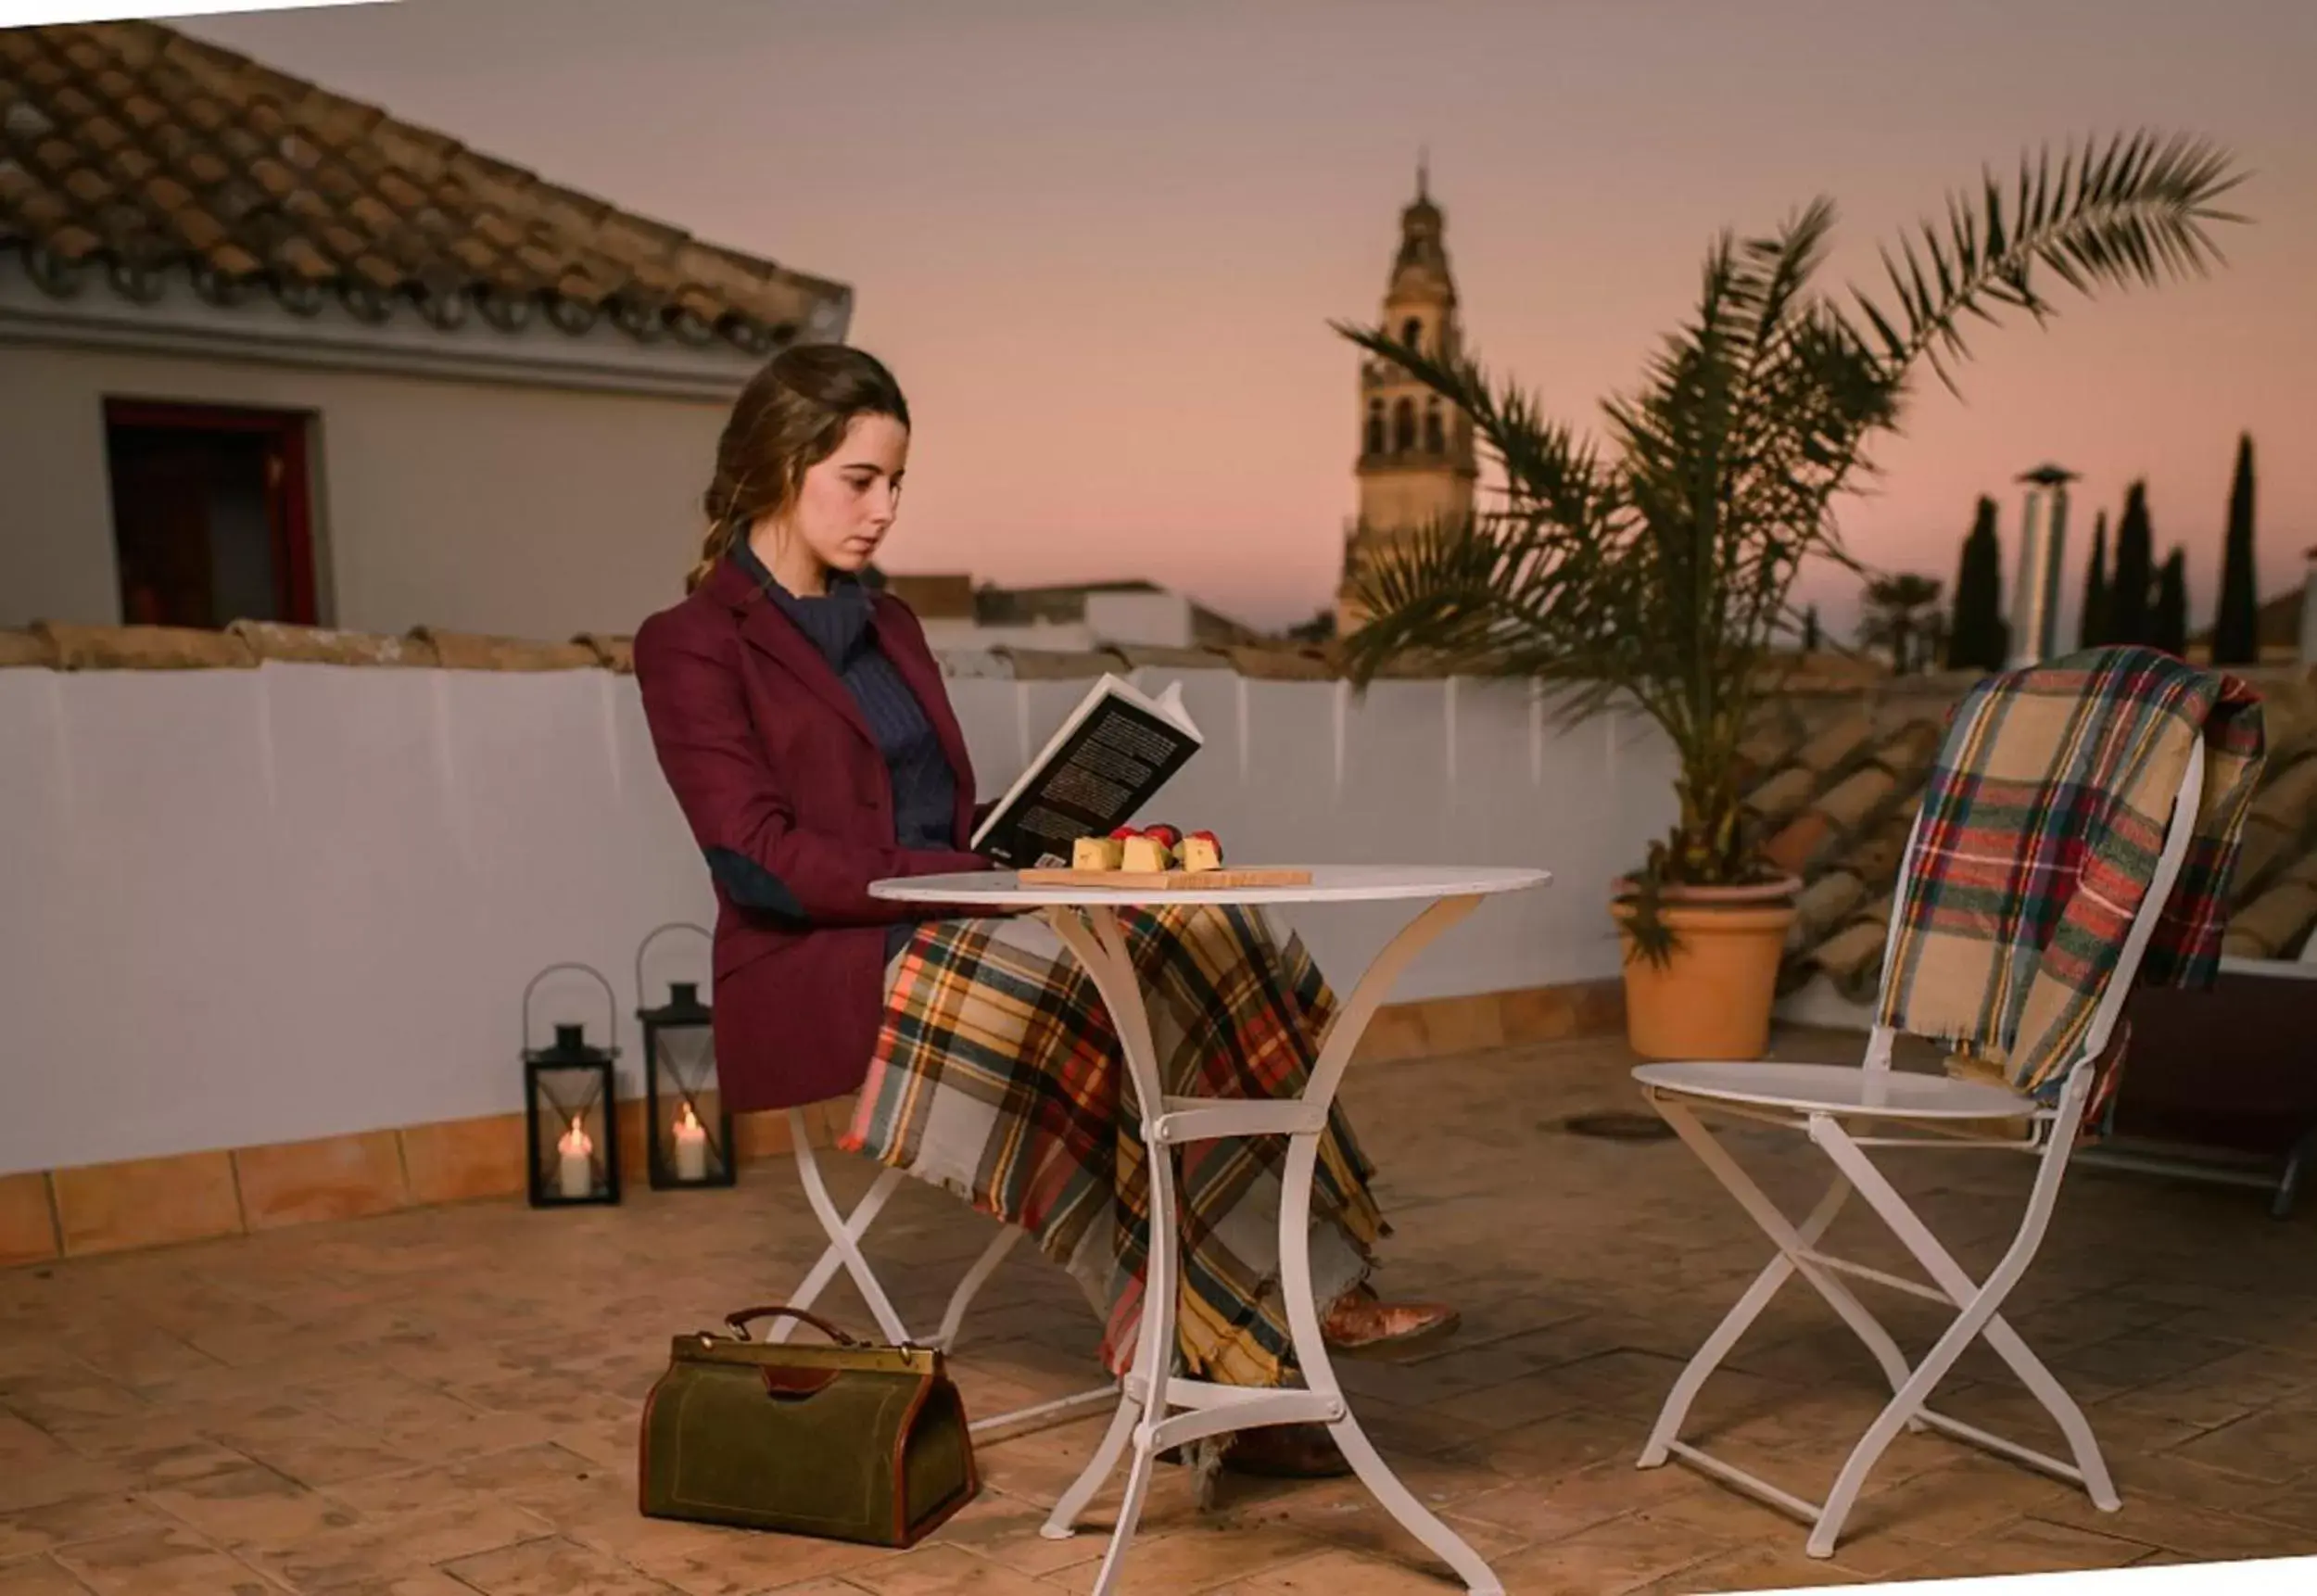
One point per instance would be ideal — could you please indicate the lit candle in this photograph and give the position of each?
(578, 1167)
(692, 1146)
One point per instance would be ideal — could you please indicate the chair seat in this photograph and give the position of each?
(1846, 1088)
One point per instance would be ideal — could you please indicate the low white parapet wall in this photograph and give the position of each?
(264, 904)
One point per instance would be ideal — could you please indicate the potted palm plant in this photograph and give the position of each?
(1656, 572)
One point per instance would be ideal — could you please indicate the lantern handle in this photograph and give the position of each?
(611, 1002)
(649, 938)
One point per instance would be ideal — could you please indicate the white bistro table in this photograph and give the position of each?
(1157, 1411)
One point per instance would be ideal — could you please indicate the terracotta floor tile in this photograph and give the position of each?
(42, 1529)
(2273, 1445)
(1954, 1505)
(2294, 1506)
(66, 1480)
(2034, 1546)
(944, 1571)
(369, 1548)
(1341, 1573)
(1608, 1560)
(26, 1445)
(551, 1568)
(700, 1560)
(526, 1476)
(251, 1507)
(1762, 1568)
(1198, 1557)
(38, 1577)
(162, 1562)
(155, 1452)
(465, 1383)
(1004, 1529)
(307, 1446)
(65, 1407)
(427, 1582)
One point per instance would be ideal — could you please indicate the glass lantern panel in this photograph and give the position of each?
(574, 1137)
(691, 1127)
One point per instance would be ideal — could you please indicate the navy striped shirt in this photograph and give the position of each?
(842, 625)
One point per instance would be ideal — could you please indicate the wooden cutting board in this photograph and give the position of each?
(1227, 880)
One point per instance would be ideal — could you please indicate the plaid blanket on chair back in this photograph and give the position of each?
(2041, 827)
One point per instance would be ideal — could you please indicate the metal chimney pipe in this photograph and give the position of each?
(2042, 551)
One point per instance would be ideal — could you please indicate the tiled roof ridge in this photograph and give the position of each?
(134, 146)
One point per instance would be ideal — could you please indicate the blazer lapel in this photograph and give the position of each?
(924, 676)
(770, 632)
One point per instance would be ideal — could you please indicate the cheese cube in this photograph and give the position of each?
(1096, 854)
(1147, 854)
(1201, 852)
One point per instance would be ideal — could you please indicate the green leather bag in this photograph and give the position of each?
(849, 1441)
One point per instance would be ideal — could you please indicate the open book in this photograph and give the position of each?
(1116, 750)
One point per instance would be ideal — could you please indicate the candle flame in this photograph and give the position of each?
(576, 1139)
(688, 1120)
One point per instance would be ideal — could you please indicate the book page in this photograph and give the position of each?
(1109, 758)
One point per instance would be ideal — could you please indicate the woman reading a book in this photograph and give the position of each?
(800, 719)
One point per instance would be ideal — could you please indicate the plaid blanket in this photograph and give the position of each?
(2041, 827)
(998, 1076)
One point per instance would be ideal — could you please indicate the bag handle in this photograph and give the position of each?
(741, 1321)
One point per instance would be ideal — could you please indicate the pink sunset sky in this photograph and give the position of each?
(1099, 244)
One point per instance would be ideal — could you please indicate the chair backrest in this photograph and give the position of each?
(2180, 832)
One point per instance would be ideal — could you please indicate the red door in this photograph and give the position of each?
(212, 513)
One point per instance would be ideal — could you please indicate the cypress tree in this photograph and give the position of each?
(2128, 596)
(2092, 628)
(2235, 630)
(1979, 639)
(2168, 624)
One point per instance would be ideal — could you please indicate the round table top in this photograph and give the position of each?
(1329, 883)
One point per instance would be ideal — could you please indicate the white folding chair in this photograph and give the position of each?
(1914, 1110)
(843, 1252)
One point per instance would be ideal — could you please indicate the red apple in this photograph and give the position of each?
(1166, 834)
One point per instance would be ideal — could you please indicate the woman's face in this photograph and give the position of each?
(848, 500)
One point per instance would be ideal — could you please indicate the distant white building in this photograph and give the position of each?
(1086, 616)
(268, 353)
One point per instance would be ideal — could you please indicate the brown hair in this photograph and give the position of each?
(791, 416)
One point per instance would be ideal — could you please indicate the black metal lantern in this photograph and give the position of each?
(569, 1108)
(688, 1137)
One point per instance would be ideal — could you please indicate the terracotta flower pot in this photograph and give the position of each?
(1711, 997)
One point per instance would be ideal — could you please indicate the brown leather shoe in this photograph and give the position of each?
(1362, 1322)
(1285, 1451)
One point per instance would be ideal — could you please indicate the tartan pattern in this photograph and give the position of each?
(997, 1075)
(2040, 834)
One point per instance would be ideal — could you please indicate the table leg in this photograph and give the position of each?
(1142, 1419)
(1099, 943)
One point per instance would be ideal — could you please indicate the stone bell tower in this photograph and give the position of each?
(1415, 462)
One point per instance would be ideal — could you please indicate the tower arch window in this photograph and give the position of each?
(1404, 426)
(1372, 442)
(1435, 439)
(1411, 333)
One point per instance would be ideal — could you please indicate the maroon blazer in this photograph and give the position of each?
(770, 759)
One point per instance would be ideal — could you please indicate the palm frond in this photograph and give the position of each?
(2136, 211)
